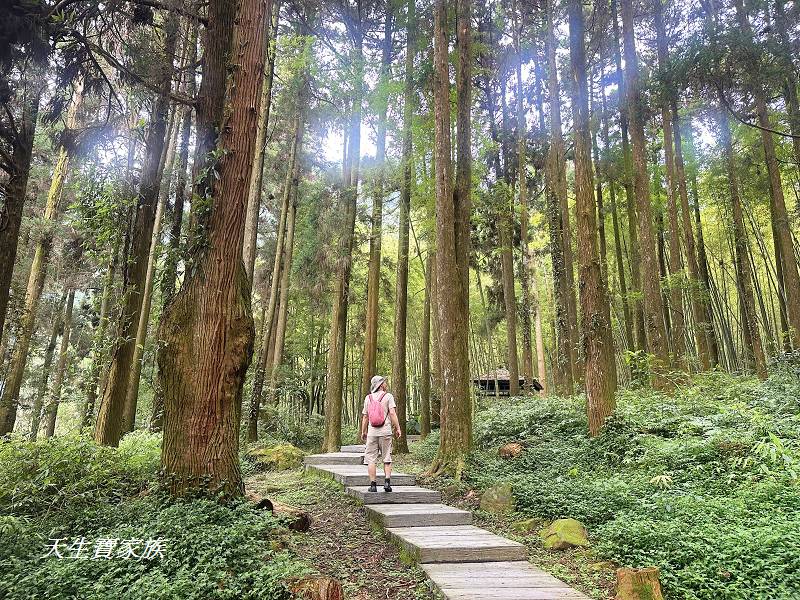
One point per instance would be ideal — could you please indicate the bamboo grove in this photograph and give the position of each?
(220, 219)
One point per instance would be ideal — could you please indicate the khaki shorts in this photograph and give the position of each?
(378, 445)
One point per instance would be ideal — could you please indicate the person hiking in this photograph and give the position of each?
(378, 419)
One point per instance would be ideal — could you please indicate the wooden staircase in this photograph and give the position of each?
(464, 562)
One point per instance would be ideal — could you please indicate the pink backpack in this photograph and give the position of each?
(377, 417)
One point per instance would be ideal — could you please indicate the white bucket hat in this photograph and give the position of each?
(375, 383)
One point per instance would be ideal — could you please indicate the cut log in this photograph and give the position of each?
(638, 584)
(294, 518)
(317, 588)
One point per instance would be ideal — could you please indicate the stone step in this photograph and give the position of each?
(402, 494)
(356, 475)
(334, 458)
(357, 448)
(417, 515)
(498, 581)
(459, 543)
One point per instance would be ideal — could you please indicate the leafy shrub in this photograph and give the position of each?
(66, 474)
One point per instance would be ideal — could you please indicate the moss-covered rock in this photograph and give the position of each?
(525, 526)
(280, 457)
(564, 533)
(498, 499)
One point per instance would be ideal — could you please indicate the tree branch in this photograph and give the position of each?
(179, 98)
(743, 121)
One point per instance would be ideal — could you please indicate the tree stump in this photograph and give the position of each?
(510, 450)
(317, 587)
(638, 584)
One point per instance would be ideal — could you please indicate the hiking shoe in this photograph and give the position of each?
(373, 487)
(387, 487)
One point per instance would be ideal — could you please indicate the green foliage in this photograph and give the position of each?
(67, 475)
(70, 488)
(702, 484)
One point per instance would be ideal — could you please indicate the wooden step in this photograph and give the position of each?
(334, 458)
(417, 515)
(357, 448)
(459, 543)
(498, 581)
(402, 494)
(356, 475)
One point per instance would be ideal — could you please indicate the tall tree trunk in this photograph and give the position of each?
(208, 328)
(436, 369)
(530, 306)
(338, 334)
(509, 296)
(698, 263)
(537, 326)
(288, 251)
(267, 335)
(110, 419)
(556, 193)
(754, 351)
(36, 278)
(596, 337)
(399, 378)
(44, 377)
(657, 343)
(369, 363)
(132, 395)
(619, 259)
(452, 238)
(257, 174)
(425, 374)
(15, 188)
(781, 229)
(699, 293)
(51, 412)
(99, 350)
(170, 268)
(630, 196)
(783, 23)
(505, 220)
(677, 275)
(283, 310)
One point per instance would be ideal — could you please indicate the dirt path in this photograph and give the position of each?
(341, 542)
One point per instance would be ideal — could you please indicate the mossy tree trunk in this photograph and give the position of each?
(207, 330)
(453, 208)
(36, 278)
(596, 337)
(54, 399)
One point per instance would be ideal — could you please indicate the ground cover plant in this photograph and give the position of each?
(70, 488)
(702, 483)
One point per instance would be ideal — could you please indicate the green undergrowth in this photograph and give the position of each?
(702, 483)
(70, 489)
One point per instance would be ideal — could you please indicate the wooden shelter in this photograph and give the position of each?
(502, 379)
